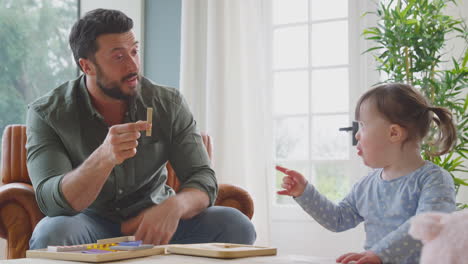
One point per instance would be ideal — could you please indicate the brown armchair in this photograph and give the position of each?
(19, 212)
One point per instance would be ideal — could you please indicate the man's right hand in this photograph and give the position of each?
(121, 141)
(82, 185)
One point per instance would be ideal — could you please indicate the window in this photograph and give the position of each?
(317, 75)
(311, 93)
(34, 52)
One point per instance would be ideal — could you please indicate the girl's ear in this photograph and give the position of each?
(87, 66)
(397, 133)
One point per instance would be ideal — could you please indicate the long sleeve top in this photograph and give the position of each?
(385, 207)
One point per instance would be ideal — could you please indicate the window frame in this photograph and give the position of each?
(360, 79)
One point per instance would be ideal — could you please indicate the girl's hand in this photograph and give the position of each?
(367, 257)
(293, 183)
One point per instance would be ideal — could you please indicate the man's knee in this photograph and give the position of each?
(235, 226)
(59, 230)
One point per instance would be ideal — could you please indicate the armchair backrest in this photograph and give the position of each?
(14, 157)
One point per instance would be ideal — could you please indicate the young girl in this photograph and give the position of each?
(393, 120)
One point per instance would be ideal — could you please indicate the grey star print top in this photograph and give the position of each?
(385, 207)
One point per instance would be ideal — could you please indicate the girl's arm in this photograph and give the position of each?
(336, 218)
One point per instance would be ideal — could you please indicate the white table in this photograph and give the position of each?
(180, 259)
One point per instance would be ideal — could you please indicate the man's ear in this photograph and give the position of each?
(87, 66)
(397, 133)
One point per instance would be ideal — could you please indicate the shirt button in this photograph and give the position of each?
(120, 191)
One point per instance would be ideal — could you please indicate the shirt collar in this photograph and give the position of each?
(132, 103)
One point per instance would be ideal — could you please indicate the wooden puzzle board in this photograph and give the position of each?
(110, 256)
(78, 256)
(221, 250)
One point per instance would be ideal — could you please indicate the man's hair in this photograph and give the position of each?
(97, 22)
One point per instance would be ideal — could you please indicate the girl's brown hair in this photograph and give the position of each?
(403, 105)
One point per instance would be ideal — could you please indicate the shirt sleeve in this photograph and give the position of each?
(334, 217)
(47, 163)
(188, 155)
(437, 194)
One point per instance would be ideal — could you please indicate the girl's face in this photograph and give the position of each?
(373, 136)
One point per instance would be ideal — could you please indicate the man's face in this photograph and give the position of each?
(118, 65)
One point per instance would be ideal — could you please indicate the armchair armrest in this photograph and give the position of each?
(19, 214)
(237, 197)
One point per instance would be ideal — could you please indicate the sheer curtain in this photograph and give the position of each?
(223, 78)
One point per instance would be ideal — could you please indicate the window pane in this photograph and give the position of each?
(291, 92)
(327, 9)
(290, 47)
(330, 90)
(289, 11)
(329, 43)
(34, 52)
(327, 142)
(291, 140)
(301, 167)
(310, 99)
(331, 179)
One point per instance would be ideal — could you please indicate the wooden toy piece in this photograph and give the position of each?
(105, 247)
(221, 250)
(149, 119)
(81, 247)
(129, 248)
(116, 240)
(131, 243)
(66, 248)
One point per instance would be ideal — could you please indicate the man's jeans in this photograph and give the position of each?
(214, 224)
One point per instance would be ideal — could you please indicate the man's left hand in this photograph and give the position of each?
(367, 257)
(155, 225)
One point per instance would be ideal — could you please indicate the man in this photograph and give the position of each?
(96, 176)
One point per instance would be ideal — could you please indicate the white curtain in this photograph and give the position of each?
(223, 78)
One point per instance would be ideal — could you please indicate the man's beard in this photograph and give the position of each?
(114, 89)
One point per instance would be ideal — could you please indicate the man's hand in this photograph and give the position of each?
(157, 224)
(367, 257)
(82, 185)
(121, 141)
(294, 183)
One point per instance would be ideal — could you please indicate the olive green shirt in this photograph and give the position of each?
(63, 129)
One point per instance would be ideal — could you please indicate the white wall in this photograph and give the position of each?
(455, 48)
(2, 248)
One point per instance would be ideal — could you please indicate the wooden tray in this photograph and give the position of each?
(78, 256)
(221, 250)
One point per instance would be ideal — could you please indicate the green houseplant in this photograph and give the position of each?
(411, 40)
